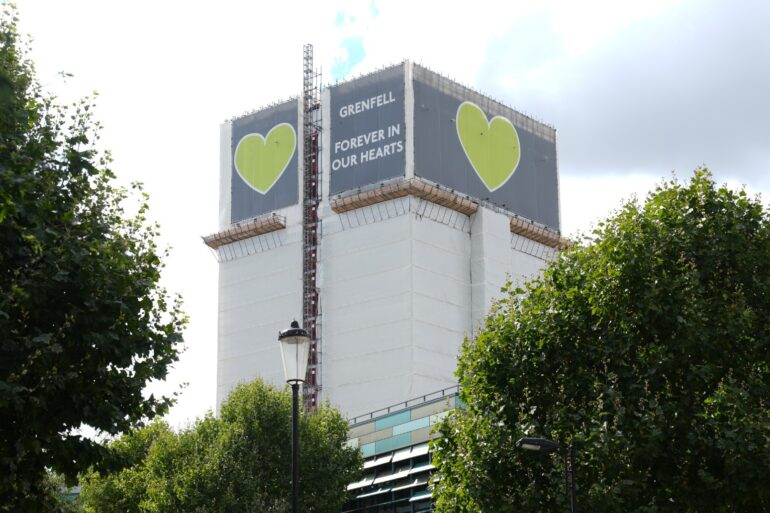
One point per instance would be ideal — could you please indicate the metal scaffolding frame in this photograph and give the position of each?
(311, 223)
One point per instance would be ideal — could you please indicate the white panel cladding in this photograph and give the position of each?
(381, 256)
(259, 294)
(443, 288)
(440, 261)
(434, 357)
(428, 382)
(366, 308)
(434, 312)
(402, 283)
(225, 173)
(442, 297)
(376, 388)
(525, 266)
(394, 273)
(490, 260)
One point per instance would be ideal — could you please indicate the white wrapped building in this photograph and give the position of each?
(416, 231)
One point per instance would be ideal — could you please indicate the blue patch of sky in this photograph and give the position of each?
(373, 8)
(354, 50)
(339, 19)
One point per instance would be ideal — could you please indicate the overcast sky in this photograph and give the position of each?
(636, 90)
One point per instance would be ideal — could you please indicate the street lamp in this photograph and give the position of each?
(537, 444)
(548, 446)
(295, 347)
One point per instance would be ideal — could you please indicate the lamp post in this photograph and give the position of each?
(295, 346)
(548, 446)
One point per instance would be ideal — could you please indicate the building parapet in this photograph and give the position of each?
(410, 403)
(411, 187)
(246, 229)
(434, 193)
(539, 233)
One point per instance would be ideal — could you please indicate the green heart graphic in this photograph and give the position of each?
(492, 147)
(261, 161)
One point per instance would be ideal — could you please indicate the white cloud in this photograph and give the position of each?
(667, 93)
(586, 200)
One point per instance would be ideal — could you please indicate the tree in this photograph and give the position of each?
(84, 325)
(125, 490)
(240, 462)
(650, 345)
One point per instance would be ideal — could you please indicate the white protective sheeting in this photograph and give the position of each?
(490, 260)
(259, 295)
(401, 286)
(396, 304)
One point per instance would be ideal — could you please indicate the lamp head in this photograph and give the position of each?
(537, 444)
(295, 347)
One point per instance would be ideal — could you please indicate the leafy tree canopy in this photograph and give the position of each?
(650, 345)
(84, 325)
(240, 462)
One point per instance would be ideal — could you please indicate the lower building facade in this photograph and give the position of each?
(398, 464)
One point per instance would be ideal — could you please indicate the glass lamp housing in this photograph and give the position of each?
(295, 347)
(537, 444)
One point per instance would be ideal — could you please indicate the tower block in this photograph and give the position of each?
(432, 196)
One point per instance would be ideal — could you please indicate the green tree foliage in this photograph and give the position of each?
(650, 344)
(84, 325)
(61, 498)
(240, 462)
(126, 489)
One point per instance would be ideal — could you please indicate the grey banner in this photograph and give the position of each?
(265, 165)
(367, 130)
(532, 189)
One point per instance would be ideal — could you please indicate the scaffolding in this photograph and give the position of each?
(311, 223)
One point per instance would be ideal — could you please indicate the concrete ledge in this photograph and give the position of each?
(412, 187)
(441, 196)
(245, 229)
(539, 233)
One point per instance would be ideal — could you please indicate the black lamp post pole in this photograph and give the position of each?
(568, 453)
(572, 491)
(295, 448)
(295, 345)
(567, 480)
